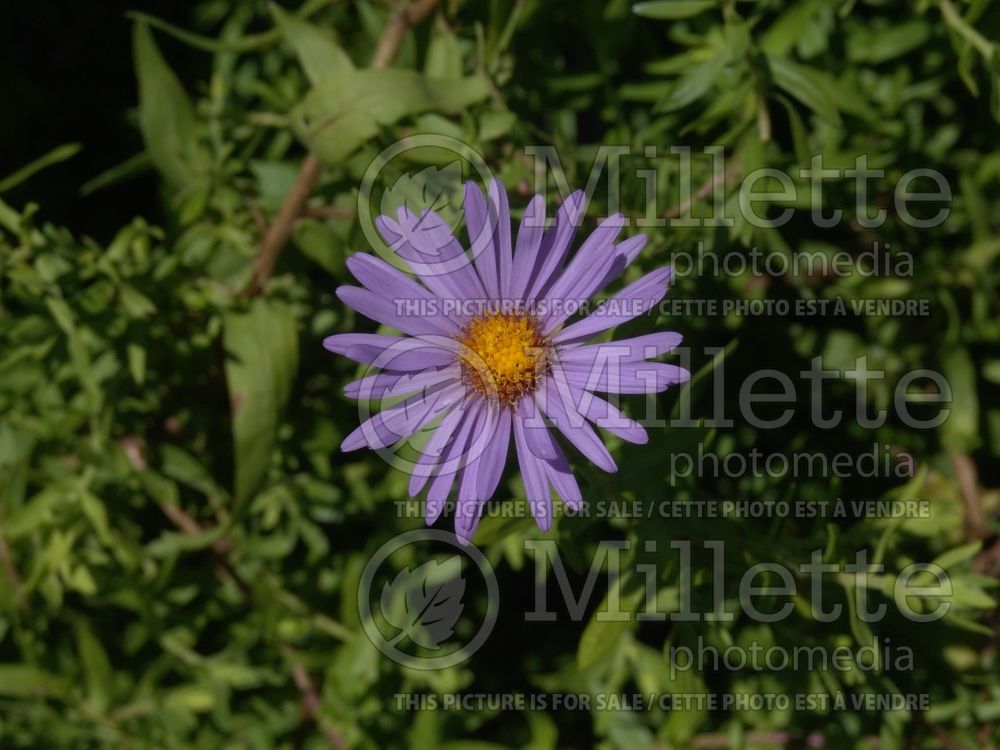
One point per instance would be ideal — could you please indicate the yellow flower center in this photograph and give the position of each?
(505, 356)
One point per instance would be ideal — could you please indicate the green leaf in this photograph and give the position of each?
(180, 465)
(262, 357)
(807, 85)
(603, 635)
(966, 594)
(166, 116)
(93, 508)
(888, 43)
(126, 170)
(496, 123)
(26, 681)
(96, 666)
(315, 240)
(444, 55)
(955, 557)
(317, 50)
(137, 363)
(173, 542)
(350, 106)
(78, 351)
(672, 9)
(960, 431)
(781, 36)
(694, 84)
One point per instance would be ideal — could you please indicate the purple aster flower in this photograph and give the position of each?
(486, 353)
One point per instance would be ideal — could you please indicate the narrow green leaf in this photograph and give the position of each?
(804, 84)
(96, 667)
(693, 85)
(955, 557)
(960, 431)
(131, 167)
(55, 156)
(25, 681)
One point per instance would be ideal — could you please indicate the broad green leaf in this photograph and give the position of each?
(261, 359)
(350, 106)
(496, 123)
(315, 240)
(444, 55)
(317, 50)
(166, 116)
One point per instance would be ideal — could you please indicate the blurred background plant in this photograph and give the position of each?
(181, 539)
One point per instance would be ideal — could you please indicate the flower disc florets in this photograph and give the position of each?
(504, 356)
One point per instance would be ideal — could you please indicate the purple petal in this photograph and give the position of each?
(495, 457)
(634, 300)
(385, 311)
(430, 249)
(401, 420)
(610, 418)
(558, 404)
(590, 264)
(606, 260)
(624, 377)
(470, 501)
(529, 238)
(536, 486)
(453, 459)
(431, 453)
(624, 350)
(624, 253)
(534, 428)
(561, 477)
(481, 226)
(501, 238)
(555, 243)
(398, 353)
(378, 276)
(393, 384)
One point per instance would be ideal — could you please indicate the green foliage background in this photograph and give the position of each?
(181, 537)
